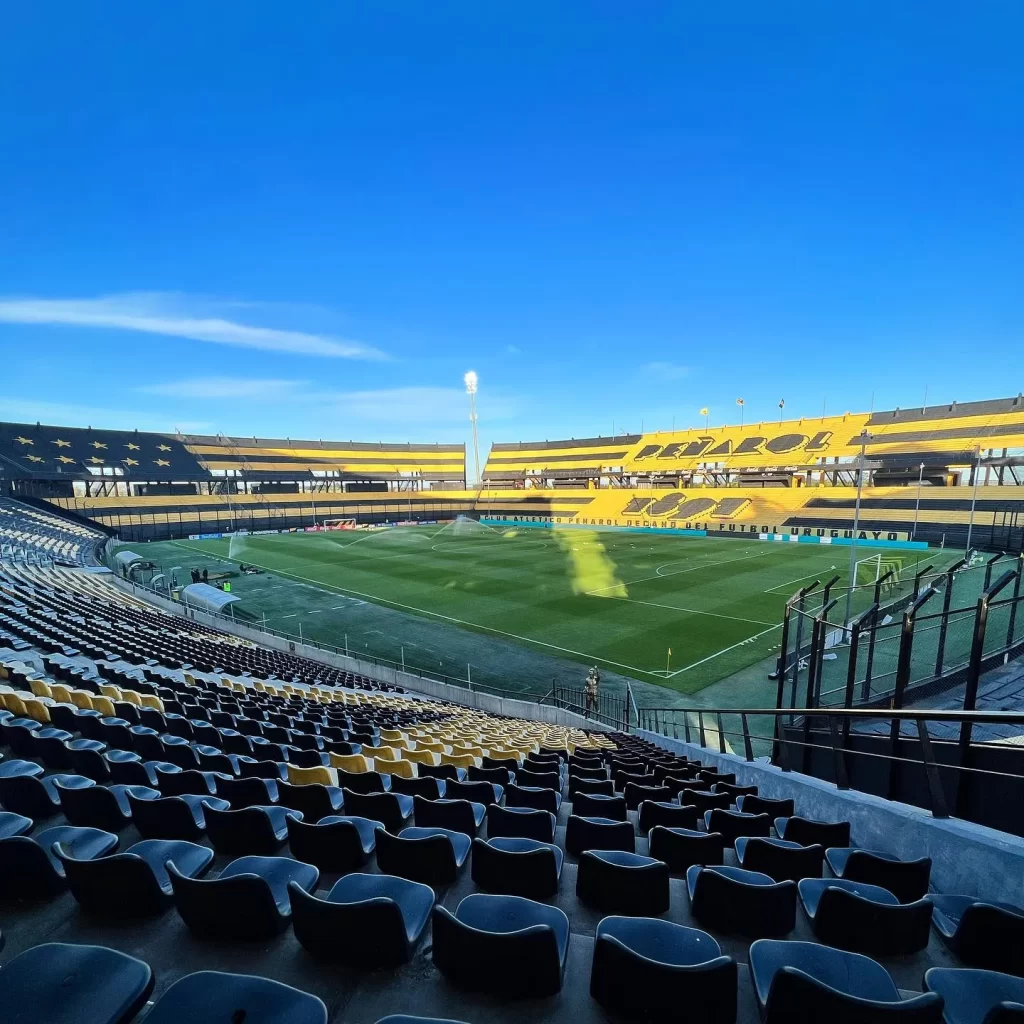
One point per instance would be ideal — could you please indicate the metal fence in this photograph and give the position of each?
(924, 644)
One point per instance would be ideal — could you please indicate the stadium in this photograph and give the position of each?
(299, 731)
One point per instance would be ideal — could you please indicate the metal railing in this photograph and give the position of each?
(604, 708)
(964, 763)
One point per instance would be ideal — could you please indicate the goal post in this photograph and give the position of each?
(343, 523)
(868, 571)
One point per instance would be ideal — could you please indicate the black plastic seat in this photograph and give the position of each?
(259, 831)
(251, 768)
(808, 832)
(666, 813)
(179, 751)
(740, 902)
(517, 867)
(58, 983)
(906, 880)
(209, 997)
(592, 787)
(976, 996)
(457, 815)
(733, 790)
(805, 981)
(394, 810)
(520, 823)
(647, 969)
(173, 817)
(370, 782)
(623, 883)
(540, 798)
(865, 918)
(505, 945)
(591, 770)
(49, 746)
(442, 771)
(249, 900)
(624, 778)
(17, 734)
(37, 797)
(735, 824)
(598, 834)
(134, 883)
(479, 792)
(432, 856)
(635, 794)
(754, 804)
(30, 871)
(211, 759)
(251, 792)
(17, 769)
(425, 786)
(14, 824)
(366, 920)
(316, 801)
(704, 800)
(103, 807)
(337, 843)
(87, 759)
(980, 933)
(180, 782)
(780, 859)
(146, 742)
(710, 777)
(597, 805)
(539, 779)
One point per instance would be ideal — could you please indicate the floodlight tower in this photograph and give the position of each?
(470, 380)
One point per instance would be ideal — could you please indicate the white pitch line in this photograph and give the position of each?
(693, 611)
(724, 650)
(789, 583)
(678, 572)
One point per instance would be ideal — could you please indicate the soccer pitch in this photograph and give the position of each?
(621, 600)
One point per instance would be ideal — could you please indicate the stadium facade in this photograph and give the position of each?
(930, 474)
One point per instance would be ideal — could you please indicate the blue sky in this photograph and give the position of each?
(312, 220)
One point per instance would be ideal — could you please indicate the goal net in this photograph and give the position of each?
(338, 524)
(869, 571)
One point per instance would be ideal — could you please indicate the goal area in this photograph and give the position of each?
(344, 523)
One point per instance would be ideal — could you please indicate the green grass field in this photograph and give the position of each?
(621, 600)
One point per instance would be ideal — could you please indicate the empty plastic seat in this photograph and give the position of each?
(315, 801)
(780, 859)
(649, 969)
(598, 834)
(180, 782)
(740, 902)
(337, 843)
(704, 800)
(754, 804)
(499, 775)
(805, 981)
(49, 746)
(365, 920)
(865, 918)
(425, 786)
(623, 883)
(251, 830)
(249, 900)
(14, 824)
(17, 734)
(539, 779)
(907, 880)
(505, 945)
(87, 759)
(58, 983)
(734, 790)
(605, 787)
(134, 883)
(808, 832)
(598, 805)
(393, 809)
(636, 794)
(539, 798)
(36, 797)
(480, 792)
(517, 867)
(667, 813)
(364, 782)
(212, 997)
(520, 823)
(173, 817)
(29, 869)
(977, 997)
(104, 807)
(251, 792)
(457, 815)
(981, 933)
(432, 856)
(734, 824)
(710, 777)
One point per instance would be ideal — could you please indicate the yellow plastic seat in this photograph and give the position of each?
(392, 734)
(311, 776)
(380, 753)
(190, 680)
(434, 746)
(461, 760)
(258, 685)
(82, 699)
(422, 757)
(14, 703)
(349, 762)
(471, 751)
(405, 769)
(110, 690)
(40, 687)
(60, 693)
(132, 697)
(151, 700)
(36, 709)
(104, 705)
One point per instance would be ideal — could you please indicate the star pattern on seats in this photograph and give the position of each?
(130, 462)
(24, 440)
(98, 444)
(34, 458)
(163, 447)
(65, 459)
(95, 461)
(61, 443)
(162, 462)
(132, 447)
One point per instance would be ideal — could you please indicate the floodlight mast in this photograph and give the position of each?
(470, 380)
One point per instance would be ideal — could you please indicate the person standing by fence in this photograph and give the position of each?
(593, 682)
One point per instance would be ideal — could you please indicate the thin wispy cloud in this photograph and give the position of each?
(666, 371)
(107, 417)
(177, 316)
(224, 388)
(513, 350)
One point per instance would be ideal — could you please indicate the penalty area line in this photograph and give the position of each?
(724, 650)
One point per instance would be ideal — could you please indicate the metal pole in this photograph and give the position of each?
(974, 499)
(917, 506)
(864, 438)
(476, 441)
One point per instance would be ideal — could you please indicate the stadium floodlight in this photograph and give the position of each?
(471, 381)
